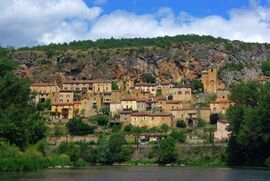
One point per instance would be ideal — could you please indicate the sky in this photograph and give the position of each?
(41, 22)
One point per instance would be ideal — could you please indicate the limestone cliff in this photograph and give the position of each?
(179, 61)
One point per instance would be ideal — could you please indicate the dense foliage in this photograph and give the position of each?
(113, 149)
(181, 124)
(249, 144)
(76, 126)
(149, 78)
(197, 87)
(167, 151)
(100, 119)
(178, 136)
(20, 122)
(266, 68)
(127, 42)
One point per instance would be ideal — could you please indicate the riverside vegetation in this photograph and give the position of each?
(23, 132)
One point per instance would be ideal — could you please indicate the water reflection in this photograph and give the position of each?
(140, 173)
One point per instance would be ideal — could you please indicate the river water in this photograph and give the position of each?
(141, 173)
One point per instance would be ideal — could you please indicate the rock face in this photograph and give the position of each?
(183, 61)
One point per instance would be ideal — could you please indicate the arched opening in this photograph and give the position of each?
(190, 123)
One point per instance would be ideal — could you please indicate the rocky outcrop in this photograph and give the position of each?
(174, 63)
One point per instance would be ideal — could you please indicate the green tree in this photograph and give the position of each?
(178, 136)
(201, 122)
(181, 124)
(105, 110)
(164, 128)
(114, 86)
(249, 144)
(69, 149)
(167, 151)
(100, 119)
(77, 127)
(128, 128)
(20, 122)
(197, 87)
(266, 68)
(149, 78)
(113, 149)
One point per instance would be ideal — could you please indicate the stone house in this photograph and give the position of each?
(63, 96)
(190, 115)
(102, 86)
(115, 108)
(220, 106)
(165, 88)
(149, 119)
(62, 110)
(43, 91)
(141, 105)
(147, 87)
(125, 118)
(223, 94)
(182, 92)
(78, 85)
(175, 104)
(129, 104)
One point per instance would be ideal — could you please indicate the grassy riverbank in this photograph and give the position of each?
(82, 154)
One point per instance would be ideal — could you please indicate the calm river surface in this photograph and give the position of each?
(141, 173)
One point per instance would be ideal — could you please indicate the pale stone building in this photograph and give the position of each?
(102, 86)
(43, 91)
(222, 134)
(149, 119)
(147, 87)
(129, 104)
(165, 88)
(115, 108)
(220, 106)
(210, 80)
(182, 93)
(190, 115)
(62, 110)
(175, 104)
(78, 85)
(223, 94)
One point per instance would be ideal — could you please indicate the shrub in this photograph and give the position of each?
(167, 151)
(197, 87)
(128, 128)
(100, 119)
(69, 149)
(164, 128)
(114, 86)
(77, 127)
(201, 123)
(80, 163)
(266, 68)
(181, 124)
(178, 136)
(149, 78)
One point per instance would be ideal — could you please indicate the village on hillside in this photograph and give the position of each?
(142, 104)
